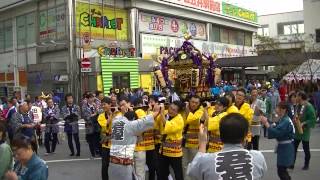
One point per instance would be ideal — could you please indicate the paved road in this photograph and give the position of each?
(61, 166)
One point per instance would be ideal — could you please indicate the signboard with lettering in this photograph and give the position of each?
(154, 45)
(213, 6)
(217, 7)
(157, 24)
(235, 11)
(104, 51)
(101, 23)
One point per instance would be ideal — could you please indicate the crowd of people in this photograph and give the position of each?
(192, 138)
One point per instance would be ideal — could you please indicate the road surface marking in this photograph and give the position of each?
(71, 160)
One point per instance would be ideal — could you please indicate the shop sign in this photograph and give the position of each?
(61, 78)
(154, 45)
(235, 11)
(157, 24)
(86, 42)
(212, 6)
(101, 22)
(86, 70)
(104, 51)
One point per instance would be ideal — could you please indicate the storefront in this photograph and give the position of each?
(223, 29)
(119, 73)
(102, 33)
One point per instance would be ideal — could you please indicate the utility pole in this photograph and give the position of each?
(72, 64)
(15, 52)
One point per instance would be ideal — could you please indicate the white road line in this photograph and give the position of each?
(75, 160)
(299, 150)
(71, 160)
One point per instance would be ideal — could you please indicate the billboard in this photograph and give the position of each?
(101, 22)
(157, 24)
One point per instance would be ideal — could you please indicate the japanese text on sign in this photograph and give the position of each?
(213, 6)
(235, 11)
(158, 24)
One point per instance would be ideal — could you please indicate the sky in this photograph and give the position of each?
(263, 7)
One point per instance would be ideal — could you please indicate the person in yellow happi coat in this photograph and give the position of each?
(105, 122)
(231, 107)
(144, 143)
(214, 142)
(244, 109)
(193, 114)
(170, 153)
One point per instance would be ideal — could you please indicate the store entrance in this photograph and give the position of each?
(121, 80)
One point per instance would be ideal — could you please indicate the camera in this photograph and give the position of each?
(162, 100)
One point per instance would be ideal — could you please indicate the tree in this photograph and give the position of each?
(297, 43)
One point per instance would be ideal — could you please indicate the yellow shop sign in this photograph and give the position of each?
(102, 22)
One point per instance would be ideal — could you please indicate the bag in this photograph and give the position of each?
(96, 125)
(67, 128)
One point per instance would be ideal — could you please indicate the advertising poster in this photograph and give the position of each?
(51, 23)
(157, 24)
(61, 22)
(154, 45)
(101, 23)
(43, 25)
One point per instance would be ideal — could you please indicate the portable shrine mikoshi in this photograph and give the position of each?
(188, 70)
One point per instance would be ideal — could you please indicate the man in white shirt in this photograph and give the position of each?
(233, 161)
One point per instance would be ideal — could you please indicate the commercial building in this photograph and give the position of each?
(286, 30)
(311, 23)
(293, 34)
(61, 45)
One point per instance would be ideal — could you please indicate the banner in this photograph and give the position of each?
(43, 25)
(61, 22)
(238, 12)
(157, 24)
(213, 6)
(101, 23)
(153, 46)
(51, 23)
(217, 7)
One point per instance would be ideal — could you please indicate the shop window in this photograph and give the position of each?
(52, 23)
(31, 28)
(8, 41)
(21, 30)
(1, 36)
(233, 37)
(215, 35)
(121, 80)
(248, 39)
(240, 38)
(26, 29)
(224, 35)
(58, 2)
